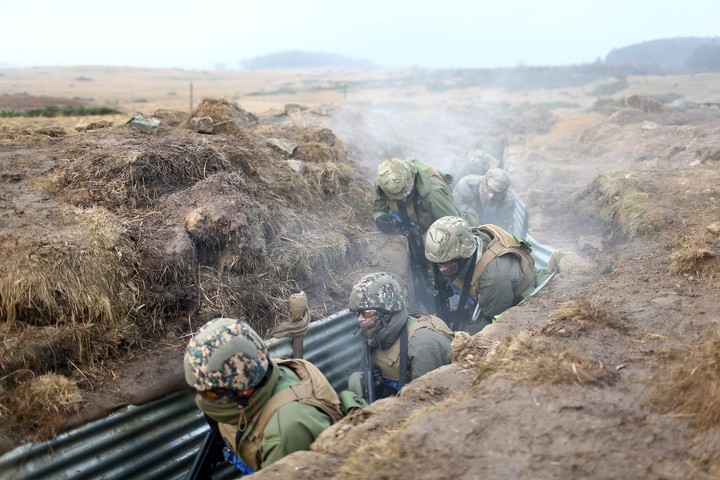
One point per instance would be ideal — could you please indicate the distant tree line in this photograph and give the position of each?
(685, 54)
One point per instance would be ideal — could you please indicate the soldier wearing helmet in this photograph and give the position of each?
(246, 396)
(422, 191)
(487, 270)
(488, 196)
(409, 196)
(477, 162)
(403, 345)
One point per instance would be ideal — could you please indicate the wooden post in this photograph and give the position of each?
(191, 99)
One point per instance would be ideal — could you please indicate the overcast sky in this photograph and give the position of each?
(197, 34)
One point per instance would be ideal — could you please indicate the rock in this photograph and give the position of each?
(282, 144)
(202, 124)
(297, 165)
(143, 123)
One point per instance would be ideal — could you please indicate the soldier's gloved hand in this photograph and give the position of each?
(385, 223)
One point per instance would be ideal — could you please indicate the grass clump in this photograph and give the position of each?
(43, 403)
(624, 202)
(695, 255)
(59, 111)
(541, 360)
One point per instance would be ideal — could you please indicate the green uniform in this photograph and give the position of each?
(471, 195)
(292, 427)
(495, 289)
(428, 348)
(432, 194)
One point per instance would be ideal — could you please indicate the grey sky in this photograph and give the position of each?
(391, 33)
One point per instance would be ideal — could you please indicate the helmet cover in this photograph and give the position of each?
(377, 291)
(396, 178)
(449, 238)
(226, 354)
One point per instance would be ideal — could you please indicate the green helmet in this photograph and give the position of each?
(497, 180)
(449, 238)
(377, 291)
(226, 354)
(396, 178)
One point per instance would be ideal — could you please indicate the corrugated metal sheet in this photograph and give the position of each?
(159, 440)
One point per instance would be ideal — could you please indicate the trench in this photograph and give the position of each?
(159, 439)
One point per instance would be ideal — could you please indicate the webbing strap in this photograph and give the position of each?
(403, 356)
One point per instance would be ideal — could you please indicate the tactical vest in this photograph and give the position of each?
(312, 389)
(504, 243)
(389, 360)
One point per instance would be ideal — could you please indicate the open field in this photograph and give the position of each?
(610, 372)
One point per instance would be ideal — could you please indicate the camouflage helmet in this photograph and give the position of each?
(396, 178)
(377, 291)
(478, 161)
(226, 354)
(497, 180)
(449, 238)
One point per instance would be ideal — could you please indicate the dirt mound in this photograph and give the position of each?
(113, 237)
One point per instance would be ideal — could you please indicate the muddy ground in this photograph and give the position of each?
(611, 371)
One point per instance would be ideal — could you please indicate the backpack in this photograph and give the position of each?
(502, 243)
(312, 389)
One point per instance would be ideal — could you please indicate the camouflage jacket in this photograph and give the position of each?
(433, 194)
(292, 427)
(471, 195)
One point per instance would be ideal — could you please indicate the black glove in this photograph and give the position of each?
(385, 223)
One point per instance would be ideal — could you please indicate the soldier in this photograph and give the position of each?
(263, 408)
(488, 196)
(413, 189)
(487, 270)
(409, 196)
(399, 346)
(477, 162)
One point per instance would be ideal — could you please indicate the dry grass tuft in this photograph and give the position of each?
(696, 255)
(541, 360)
(579, 316)
(228, 117)
(70, 293)
(80, 276)
(691, 389)
(623, 201)
(130, 175)
(43, 403)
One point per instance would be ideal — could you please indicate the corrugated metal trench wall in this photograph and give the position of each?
(159, 440)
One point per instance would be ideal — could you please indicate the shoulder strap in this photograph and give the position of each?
(313, 389)
(502, 243)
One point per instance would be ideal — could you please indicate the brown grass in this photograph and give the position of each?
(43, 403)
(691, 389)
(696, 255)
(541, 360)
(132, 174)
(228, 117)
(576, 317)
(78, 277)
(624, 202)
